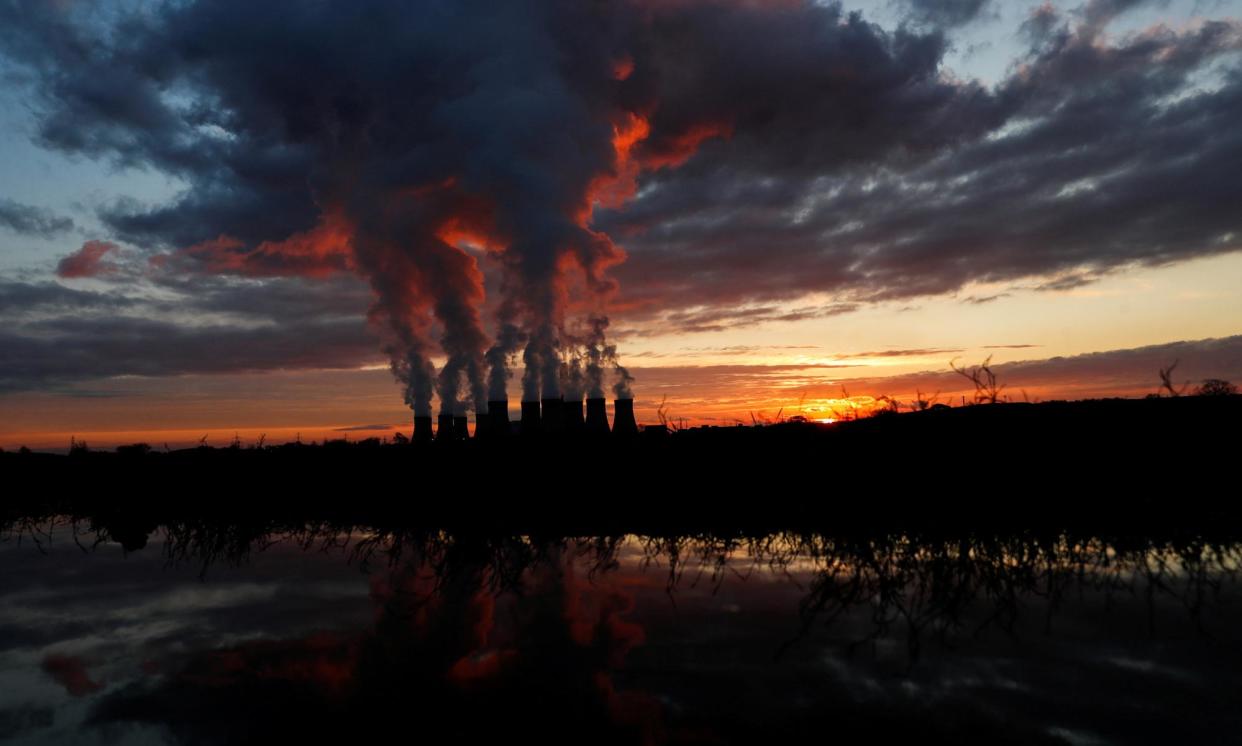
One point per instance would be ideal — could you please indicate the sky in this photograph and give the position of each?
(218, 219)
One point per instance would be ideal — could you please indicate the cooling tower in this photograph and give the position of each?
(530, 418)
(444, 427)
(550, 416)
(571, 413)
(597, 416)
(623, 417)
(461, 428)
(498, 416)
(422, 428)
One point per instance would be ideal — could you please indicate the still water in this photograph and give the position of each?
(208, 634)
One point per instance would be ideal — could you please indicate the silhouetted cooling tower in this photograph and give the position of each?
(597, 416)
(461, 430)
(422, 428)
(481, 422)
(444, 427)
(550, 416)
(530, 418)
(571, 412)
(623, 417)
(498, 415)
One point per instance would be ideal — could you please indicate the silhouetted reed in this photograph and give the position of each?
(921, 584)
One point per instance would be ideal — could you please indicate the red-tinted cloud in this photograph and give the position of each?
(87, 261)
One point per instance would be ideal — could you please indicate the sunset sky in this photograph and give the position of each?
(225, 217)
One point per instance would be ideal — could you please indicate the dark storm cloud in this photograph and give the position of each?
(33, 221)
(1087, 158)
(54, 335)
(25, 298)
(833, 91)
(64, 350)
(789, 149)
(944, 13)
(388, 122)
(722, 318)
(278, 300)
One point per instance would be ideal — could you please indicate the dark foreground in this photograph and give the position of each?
(1055, 573)
(214, 631)
(1023, 465)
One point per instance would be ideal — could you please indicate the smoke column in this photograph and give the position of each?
(573, 378)
(622, 388)
(406, 142)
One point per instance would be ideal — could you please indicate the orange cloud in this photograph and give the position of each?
(87, 261)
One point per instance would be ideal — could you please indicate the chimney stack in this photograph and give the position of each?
(444, 427)
(481, 421)
(498, 417)
(550, 418)
(530, 418)
(623, 417)
(597, 416)
(461, 430)
(422, 428)
(571, 412)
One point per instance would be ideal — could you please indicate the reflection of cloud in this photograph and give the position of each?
(559, 655)
(16, 721)
(1149, 667)
(70, 672)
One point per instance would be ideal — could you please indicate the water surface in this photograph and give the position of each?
(211, 633)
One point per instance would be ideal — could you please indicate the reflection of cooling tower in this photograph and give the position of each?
(550, 418)
(498, 416)
(530, 418)
(461, 430)
(422, 428)
(571, 413)
(444, 427)
(481, 421)
(623, 417)
(597, 416)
